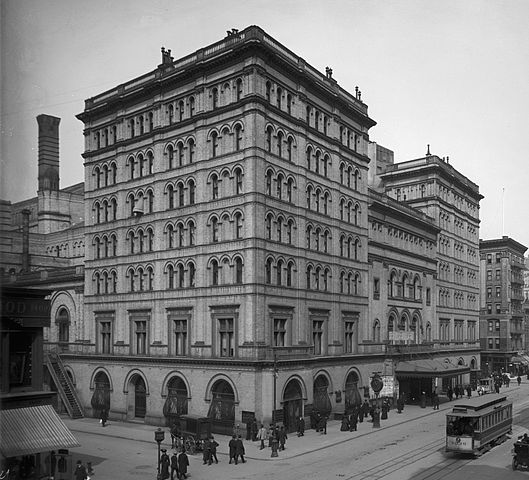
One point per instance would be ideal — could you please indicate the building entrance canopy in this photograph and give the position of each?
(427, 368)
(25, 431)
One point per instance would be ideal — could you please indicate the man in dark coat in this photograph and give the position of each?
(254, 429)
(80, 471)
(104, 417)
(239, 450)
(361, 414)
(206, 452)
(353, 420)
(165, 463)
(282, 438)
(232, 445)
(345, 423)
(400, 404)
(213, 450)
(366, 408)
(174, 466)
(449, 393)
(183, 463)
(301, 427)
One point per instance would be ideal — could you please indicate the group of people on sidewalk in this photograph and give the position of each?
(273, 434)
(177, 464)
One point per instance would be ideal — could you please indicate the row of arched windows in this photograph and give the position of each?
(140, 240)
(140, 165)
(140, 124)
(279, 185)
(279, 228)
(350, 211)
(318, 238)
(181, 193)
(349, 246)
(225, 270)
(407, 286)
(105, 174)
(318, 161)
(350, 176)
(318, 199)
(317, 119)
(226, 183)
(106, 245)
(180, 110)
(279, 142)
(279, 97)
(105, 210)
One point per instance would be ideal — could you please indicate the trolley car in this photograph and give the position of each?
(475, 425)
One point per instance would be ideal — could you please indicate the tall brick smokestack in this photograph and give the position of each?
(48, 152)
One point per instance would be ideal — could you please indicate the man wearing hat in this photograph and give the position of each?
(165, 463)
(80, 471)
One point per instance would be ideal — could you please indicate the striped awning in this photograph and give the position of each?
(427, 368)
(32, 430)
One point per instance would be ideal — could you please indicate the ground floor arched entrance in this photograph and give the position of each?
(101, 396)
(137, 398)
(292, 405)
(222, 408)
(322, 401)
(176, 401)
(353, 397)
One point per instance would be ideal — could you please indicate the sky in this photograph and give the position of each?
(453, 74)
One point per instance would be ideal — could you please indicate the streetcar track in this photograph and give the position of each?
(440, 469)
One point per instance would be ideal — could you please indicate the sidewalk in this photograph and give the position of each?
(295, 446)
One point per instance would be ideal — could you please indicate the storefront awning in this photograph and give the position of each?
(25, 431)
(429, 368)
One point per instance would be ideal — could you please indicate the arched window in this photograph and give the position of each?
(62, 320)
(290, 142)
(238, 89)
(214, 272)
(290, 269)
(289, 190)
(309, 155)
(191, 106)
(238, 270)
(191, 188)
(269, 139)
(269, 182)
(279, 186)
(214, 229)
(191, 150)
(170, 113)
(214, 98)
(238, 181)
(376, 331)
(280, 143)
(279, 271)
(214, 144)
(191, 231)
(170, 157)
(180, 110)
(268, 225)
(308, 275)
(238, 225)
(170, 277)
(268, 271)
(238, 137)
(214, 187)
(192, 273)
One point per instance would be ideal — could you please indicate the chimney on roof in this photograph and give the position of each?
(48, 152)
(428, 151)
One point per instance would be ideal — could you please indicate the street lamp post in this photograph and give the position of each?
(159, 436)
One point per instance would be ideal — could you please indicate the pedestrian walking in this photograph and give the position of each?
(174, 435)
(80, 471)
(271, 435)
(104, 417)
(301, 427)
(400, 404)
(232, 445)
(323, 423)
(366, 408)
(183, 463)
(262, 435)
(345, 424)
(165, 465)
(519, 380)
(353, 421)
(435, 400)
(254, 429)
(239, 450)
(449, 393)
(174, 466)
(469, 391)
(206, 452)
(282, 438)
(213, 450)
(384, 415)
